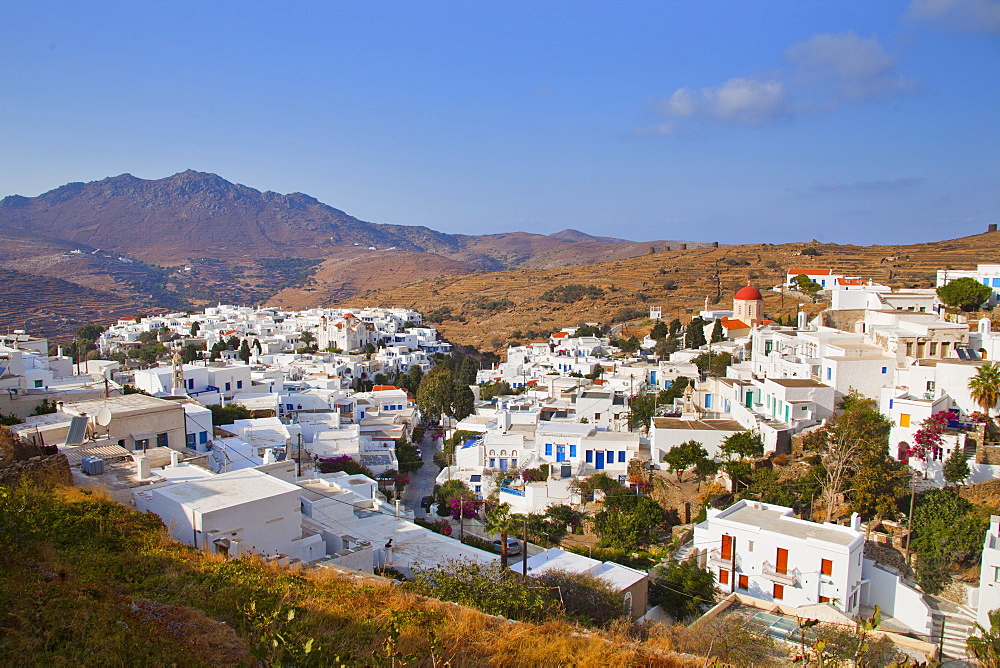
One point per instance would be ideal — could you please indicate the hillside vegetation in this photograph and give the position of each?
(677, 280)
(90, 582)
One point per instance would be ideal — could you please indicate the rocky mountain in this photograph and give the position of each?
(193, 238)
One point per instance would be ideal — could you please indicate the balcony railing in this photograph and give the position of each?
(789, 577)
(510, 490)
(716, 557)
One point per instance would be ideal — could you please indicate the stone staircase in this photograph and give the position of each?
(957, 622)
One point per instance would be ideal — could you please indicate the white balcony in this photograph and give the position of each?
(715, 557)
(789, 577)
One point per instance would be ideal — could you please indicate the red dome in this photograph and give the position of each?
(748, 294)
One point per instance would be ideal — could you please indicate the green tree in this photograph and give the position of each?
(628, 521)
(228, 414)
(190, 353)
(743, 445)
(195, 328)
(564, 515)
(948, 530)
(683, 589)
(451, 489)
(491, 588)
(500, 521)
(463, 402)
(717, 333)
(586, 598)
(859, 433)
(675, 326)
(641, 409)
(985, 645)
(684, 456)
(964, 293)
(307, 339)
(956, 468)
(695, 336)
(467, 370)
(984, 386)
(244, 353)
(434, 398)
(805, 284)
(716, 363)
(660, 331)
(876, 483)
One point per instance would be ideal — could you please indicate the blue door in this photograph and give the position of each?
(600, 460)
(503, 464)
(560, 453)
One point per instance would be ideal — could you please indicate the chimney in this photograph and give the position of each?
(856, 521)
(268, 456)
(142, 464)
(992, 227)
(175, 458)
(802, 320)
(397, 508)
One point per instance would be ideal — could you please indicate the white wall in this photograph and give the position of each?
(894, 598)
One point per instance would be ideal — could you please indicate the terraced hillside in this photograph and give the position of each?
(490, 309)
(56, 308)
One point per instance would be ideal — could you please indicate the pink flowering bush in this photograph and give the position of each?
(468, 508)
(928, 438)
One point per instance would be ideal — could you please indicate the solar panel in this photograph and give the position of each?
(77, 431)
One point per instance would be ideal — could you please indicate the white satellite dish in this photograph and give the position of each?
(103, 417)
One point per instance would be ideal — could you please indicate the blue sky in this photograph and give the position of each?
(854, 122)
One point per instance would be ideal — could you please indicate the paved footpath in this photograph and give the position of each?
(422, 481)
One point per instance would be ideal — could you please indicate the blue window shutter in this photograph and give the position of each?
(572, 451)
(885, 369)
(590, 456)
(621, 456)
(548, 449)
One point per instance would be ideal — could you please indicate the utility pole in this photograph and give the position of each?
(461, 518)
(298, 457)
(524, 553)
(909, 518)
(732, 568)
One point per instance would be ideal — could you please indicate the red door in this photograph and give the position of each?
(727, 547)
(782, 565)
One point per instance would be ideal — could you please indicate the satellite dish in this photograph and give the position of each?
(103, 417)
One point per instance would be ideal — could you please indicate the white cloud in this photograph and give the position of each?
(824, 72)
(740, 101)
(978, 16)
(851, 67)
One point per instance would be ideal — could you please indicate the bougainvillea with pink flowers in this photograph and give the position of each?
(929, 436)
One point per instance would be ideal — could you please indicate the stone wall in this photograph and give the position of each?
(46, 471)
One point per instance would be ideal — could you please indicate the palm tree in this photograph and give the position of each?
(985, 386)
(986, 646)
(499, 520)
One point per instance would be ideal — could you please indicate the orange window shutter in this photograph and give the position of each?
(779, 592)
(782, 565)
(727, 547)
(824, 599)
(743, 582)
(826, 566)
(723, 577)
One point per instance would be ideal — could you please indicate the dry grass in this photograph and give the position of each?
(88, 582)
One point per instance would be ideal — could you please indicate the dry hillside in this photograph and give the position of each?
(640, 282)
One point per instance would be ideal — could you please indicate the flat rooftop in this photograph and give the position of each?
(227, 489)
(796, 382)
(777, 522)
(697, 425)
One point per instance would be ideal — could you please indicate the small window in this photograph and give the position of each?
(38, 383)
(829, 373)
(723, 576)
(622, 454)
(743, 582)
(824, 599)
(749, 546)
(779, 592)
(826, 566)
(239, 384)
(590, 456)
(548, 449)
(904, 419)
(885, 369)
(229, 386)
(996, 573)
(572, 450)
(476, 478)
(203, 437)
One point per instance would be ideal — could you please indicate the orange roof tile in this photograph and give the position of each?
(810, 272)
